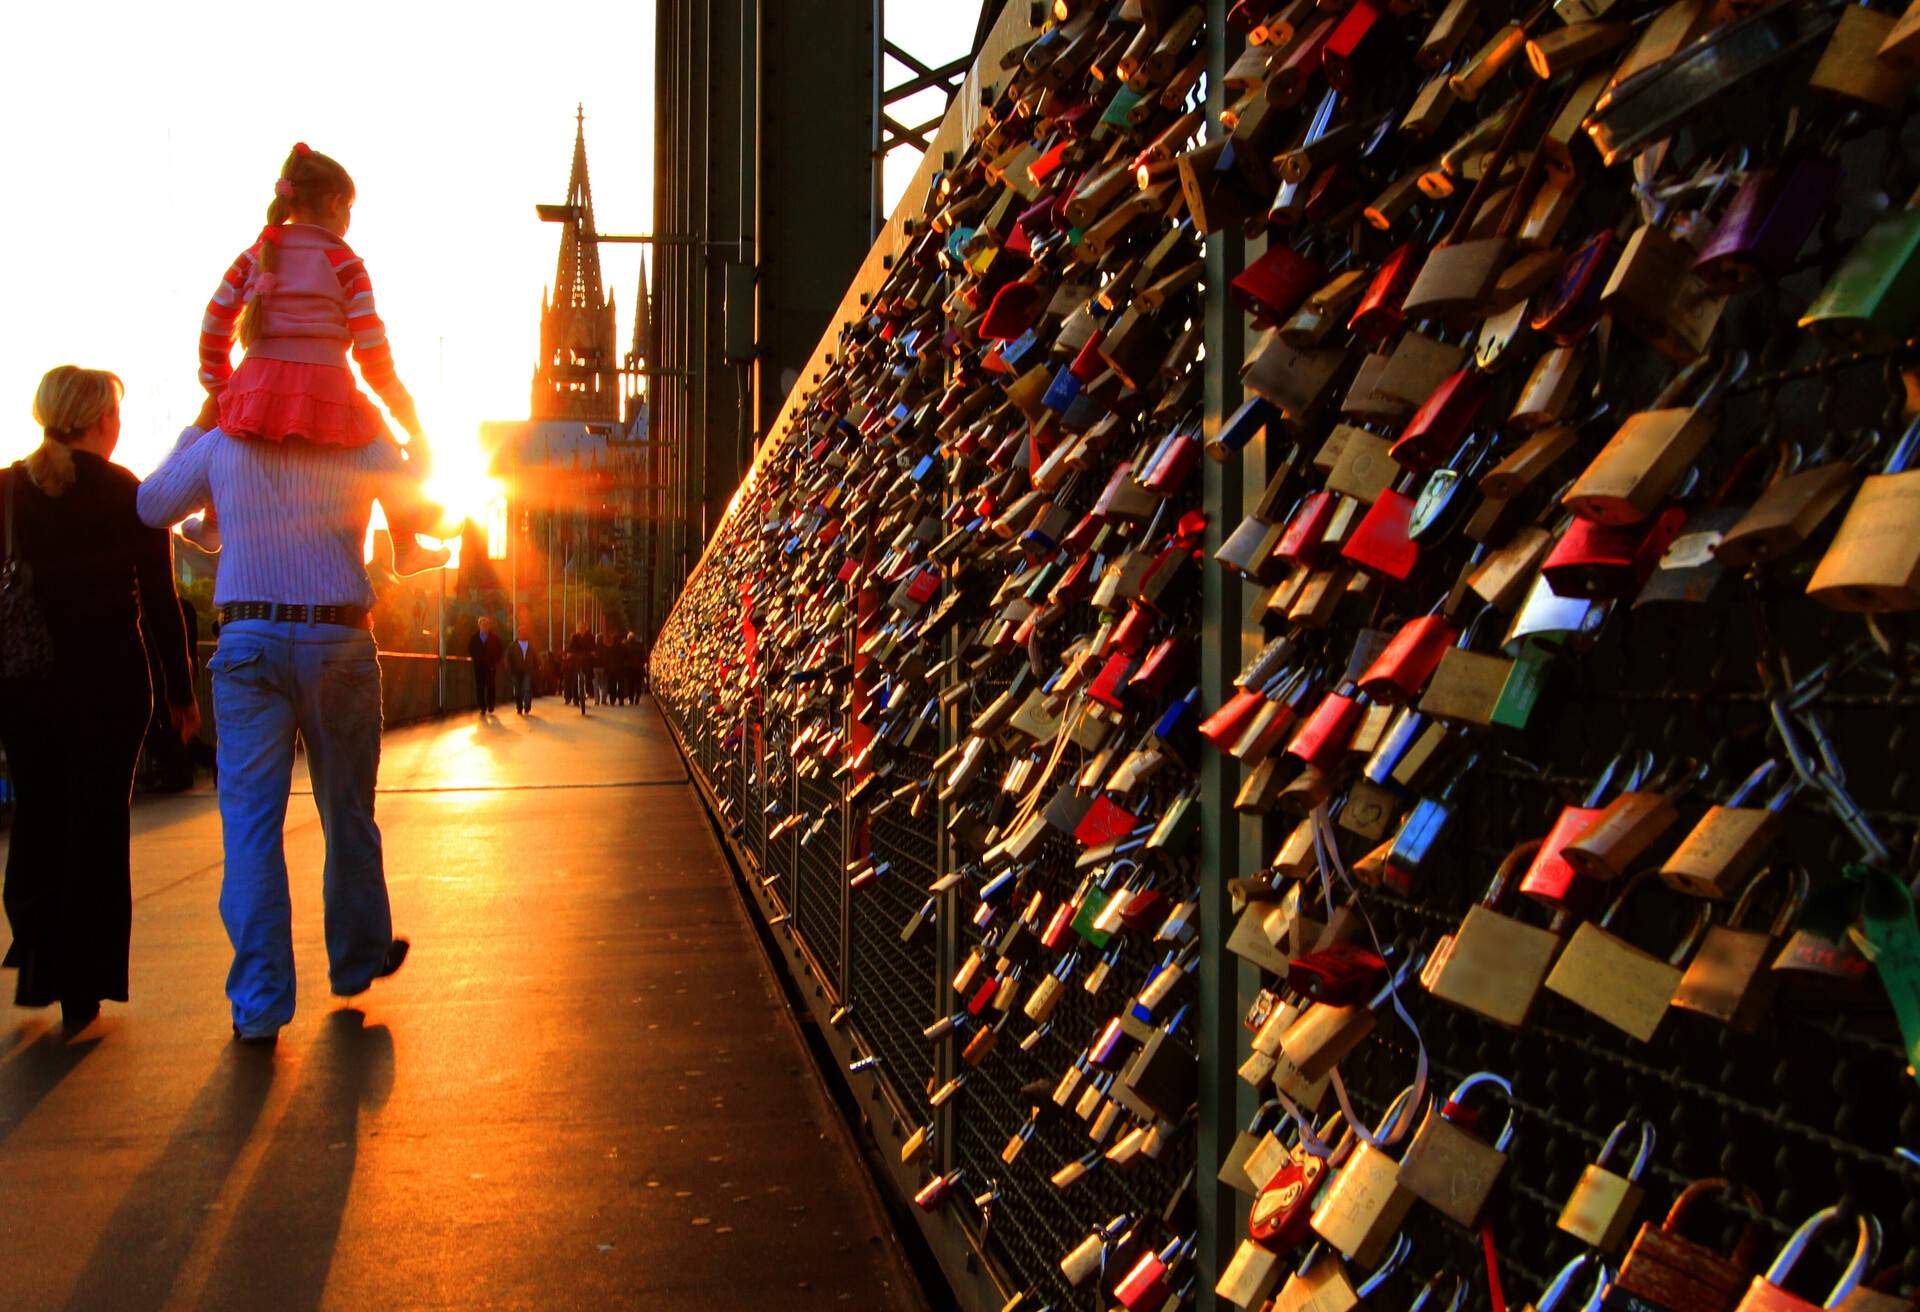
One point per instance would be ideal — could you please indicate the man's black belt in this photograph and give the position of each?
(280, 612)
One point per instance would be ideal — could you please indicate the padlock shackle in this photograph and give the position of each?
(1640, 1155)
(1428, 1290)
(1866, 1251)
(1512, 866)
(1746, 1250)
(1500, 1082)
(1757, 777)
(1799, 887)
(1394, 1109)
(1901, 458)
(1696, 929)
(1402, 1246)
(1562, 1281)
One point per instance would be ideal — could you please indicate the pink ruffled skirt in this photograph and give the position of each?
(273, 400)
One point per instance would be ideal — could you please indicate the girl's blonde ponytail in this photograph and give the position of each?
(307, 179)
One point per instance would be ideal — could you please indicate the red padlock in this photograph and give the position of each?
(1402, 669)
(1323, 737)
(1306, 531)
(1601, 562)
(1346, 48)
(1381, 313)
(1282, 1213)
(1550, 879)
(1276, 285)
(1147, 1286)
(1224, 727)
(1440, 425)
(1381, 544)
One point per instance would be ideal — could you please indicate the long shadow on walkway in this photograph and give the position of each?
(33, 1073)
(146, 1243)
(280, 1246)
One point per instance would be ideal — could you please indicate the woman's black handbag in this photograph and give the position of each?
(26, 650)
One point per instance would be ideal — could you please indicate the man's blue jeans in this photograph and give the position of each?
(322, 681)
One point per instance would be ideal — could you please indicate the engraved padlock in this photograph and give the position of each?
(1362, 1208)
(1449, 1165)
(1496, 963)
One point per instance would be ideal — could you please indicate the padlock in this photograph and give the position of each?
(1728, 979)
(1440, 425)
(1873, 562)
(1406, 663)
(1322, 1284)
(1256, 1155)
(1448, 1165)
(1497, 964)
(1768, 1293)
(1543, 399)
(1324, 735)
(1089, 1256)
(1604, 1204)
(1272, 287)
(1603, 562)
(1851, 68)
(1466, 684)
(1412, 855)
(1148, 1284)
(1381, 544)
(1626, 986)
(1364, 470)
(1632, 822)
(1666, 1271)
(1551, 879)
(1788, 513)
(1554, 1297)
(1725, 845)
(1381, 309)
(1874, 296)
(1654, 290)
(1280, 1215)
(1646, 458)
(1325, 1034)
(1251, 1275)
(1446, 494)
(1770, 218)
(1362, 1207)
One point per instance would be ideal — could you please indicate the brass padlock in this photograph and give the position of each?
(1360, 1210)
(1544, 398)
(1605, 1204)
(1497, 964)
(1728, 979)
(1852, 68)
(1449, 1166)
(1626, 986)
(1645, 460)
(1616, 838)
(1726, 844)
(1785, 515)
(1873, 563)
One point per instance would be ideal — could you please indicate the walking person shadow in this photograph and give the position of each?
(146, 1243)
(279, 1248)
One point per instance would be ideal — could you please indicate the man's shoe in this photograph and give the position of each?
(395, 958)
(266, 1040)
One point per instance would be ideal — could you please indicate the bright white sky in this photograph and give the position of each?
(142, 141)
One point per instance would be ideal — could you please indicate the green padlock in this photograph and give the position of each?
(1521, 693)
(1875, 296)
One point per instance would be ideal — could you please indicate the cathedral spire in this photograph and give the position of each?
(576, 376)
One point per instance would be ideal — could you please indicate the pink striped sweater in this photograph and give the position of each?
(320, 305)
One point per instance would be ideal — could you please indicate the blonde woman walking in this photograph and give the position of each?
(73, 731)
